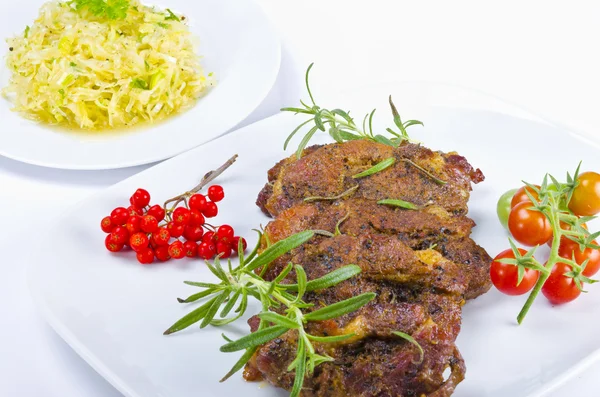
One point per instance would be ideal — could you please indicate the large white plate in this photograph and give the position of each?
(112, 311)
(238, 44)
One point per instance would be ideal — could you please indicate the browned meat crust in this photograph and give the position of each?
(327, 171)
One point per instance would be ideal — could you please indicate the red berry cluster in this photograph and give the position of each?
(154, 232)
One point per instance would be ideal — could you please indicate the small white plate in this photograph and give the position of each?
(113, 311)
(238, 44)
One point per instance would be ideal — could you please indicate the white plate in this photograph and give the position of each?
(112, 311)
(238, 44)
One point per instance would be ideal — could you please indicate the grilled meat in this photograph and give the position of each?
(326, 171)
(422, 264)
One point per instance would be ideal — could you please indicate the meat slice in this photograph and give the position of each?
(395, 232)
(326, 171)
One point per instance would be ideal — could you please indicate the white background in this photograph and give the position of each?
(540, 55)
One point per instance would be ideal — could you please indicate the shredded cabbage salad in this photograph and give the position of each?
(98, 68)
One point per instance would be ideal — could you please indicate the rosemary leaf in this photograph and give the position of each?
(300, 370)
(280, 320)
(278, 249)
(339, 196)
(410, 339)
(195, 297)
(340, 308)
(240, 363)
(376, 168)
(254, 339)
(305, 141)
(229, 306)
(399, 203)
(331, 339)
(302, 281)
(328, 280)
(214, 308)
(191, 318)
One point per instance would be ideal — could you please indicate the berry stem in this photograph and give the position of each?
(208, 177)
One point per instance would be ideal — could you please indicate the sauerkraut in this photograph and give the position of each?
(75, 68)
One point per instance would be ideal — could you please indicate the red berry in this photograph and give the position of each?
(215, 193)
(138, 241)
(210, 210)
(133, 211)
(207, 250)
(157, 211)
(193, 233)
(145, 256)
(190, 248)
(133, 224)
(181, 216)
(149, 224)
(140, 198)
(161, 236)
(196, 218)
(223, 249)
(176, 250)
(197, 202)
(106, 224)
(175, 230)
(208, 237)
(162, 253)
(119, 216)
(119, 235)
(236, 241)
(225, 233)
(111, 245)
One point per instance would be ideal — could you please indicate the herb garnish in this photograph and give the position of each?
(171, 16)
(341, 126)
(242, 282)
(109, 9)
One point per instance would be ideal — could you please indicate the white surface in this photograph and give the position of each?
(238, 45)
(119, 333)
(537, 54)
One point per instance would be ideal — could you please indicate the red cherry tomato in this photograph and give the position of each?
(505, 276)
(157, 211)
(569, 248)
(586, 196)
(140, 198)
(216, 193)
(521, 196)
(529, 227)
(106, 224)
(559, 289)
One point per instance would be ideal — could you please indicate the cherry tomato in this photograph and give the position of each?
(149, 224)
(210, 210)
(138, 241)
(563, 226)
(216, 193)
(181, 216)
(176, 250)
(175, 230)
(140, 198)
(145, 256)
(106, 224)
(196, 218)
(119, 235)
(162, 253)
(161, 236)
(521, 196)
(197, 202)
(207, 250)
(503, 207)
(133, 224)
(586, 196)
(112, 246)
(529, 227)
(190, 248)
(559, 289)
(569, 248)
(119, 216)
(505, 276)
(157, 211)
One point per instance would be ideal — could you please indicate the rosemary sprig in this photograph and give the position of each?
(283, 307)
(376, 168)
(341, 126)
(399, 203)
